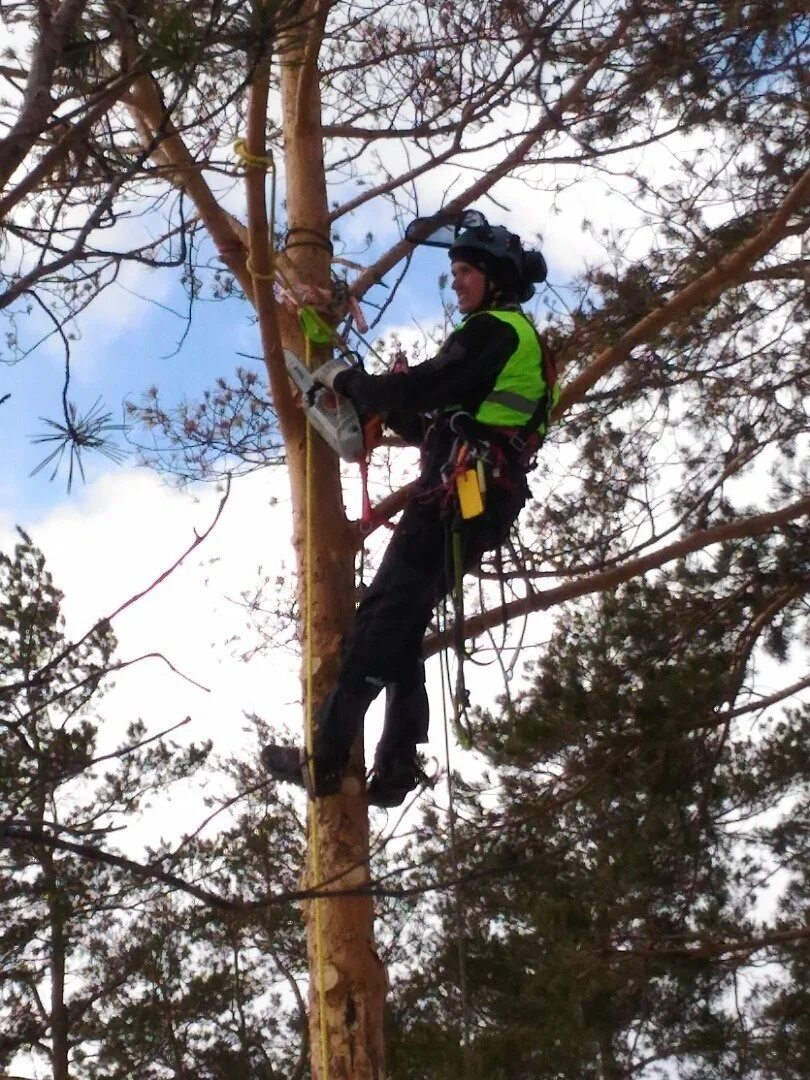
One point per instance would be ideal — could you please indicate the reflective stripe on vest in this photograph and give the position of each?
(521, 383)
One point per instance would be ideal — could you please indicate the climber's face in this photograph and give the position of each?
(469, 285)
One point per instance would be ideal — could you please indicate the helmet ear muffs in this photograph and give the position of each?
(534, 267)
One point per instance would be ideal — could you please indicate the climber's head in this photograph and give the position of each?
(497, 257)
(472, 284)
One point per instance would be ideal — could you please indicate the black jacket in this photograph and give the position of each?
(462, 373)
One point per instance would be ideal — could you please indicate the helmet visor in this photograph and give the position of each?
(442, 230)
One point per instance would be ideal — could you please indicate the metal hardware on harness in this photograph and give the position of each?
(333, 417)
(466, 427)
(458, 422)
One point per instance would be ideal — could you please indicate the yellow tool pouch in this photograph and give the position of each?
(470, 487)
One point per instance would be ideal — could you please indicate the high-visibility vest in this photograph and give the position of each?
(522, 383)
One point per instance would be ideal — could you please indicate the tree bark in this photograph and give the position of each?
(347, 984)
(37, 101)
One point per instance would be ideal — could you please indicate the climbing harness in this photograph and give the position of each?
(469, 477)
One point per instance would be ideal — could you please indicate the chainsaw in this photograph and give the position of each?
(334, 417)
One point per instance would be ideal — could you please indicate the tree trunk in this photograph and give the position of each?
(347, 984)
(56, 969)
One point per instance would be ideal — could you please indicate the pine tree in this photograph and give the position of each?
(65, 918)
(610, 895)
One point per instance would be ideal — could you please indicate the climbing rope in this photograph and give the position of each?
(454, 573)
(313, 325)
(267, 164)
(317, 239)
(458, 905)
(251, 160)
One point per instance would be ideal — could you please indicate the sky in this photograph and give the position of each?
(129, 340)
(136, 334)
(111, 536)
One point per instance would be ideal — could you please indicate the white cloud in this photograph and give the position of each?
(116, 537)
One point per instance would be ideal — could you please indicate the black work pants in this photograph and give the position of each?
(384, 648)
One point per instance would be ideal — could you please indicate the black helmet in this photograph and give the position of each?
(499, 252)
(470, 237)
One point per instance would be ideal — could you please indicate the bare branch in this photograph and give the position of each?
(757, 525)
(699, 293)
(515, 157)
(41, 676)
(145, 102)
(761, 703)
(36, 106)
(715, 949)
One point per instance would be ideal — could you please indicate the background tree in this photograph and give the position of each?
(614, 857)
(133, 106)
(216, 994)
(105, 975)
(778, 1041)
(59, 913)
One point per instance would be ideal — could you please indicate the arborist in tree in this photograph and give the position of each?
(479, 410)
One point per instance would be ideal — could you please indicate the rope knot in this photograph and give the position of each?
(251, 160)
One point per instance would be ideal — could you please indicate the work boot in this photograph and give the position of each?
(289, 765)
(392, 778)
